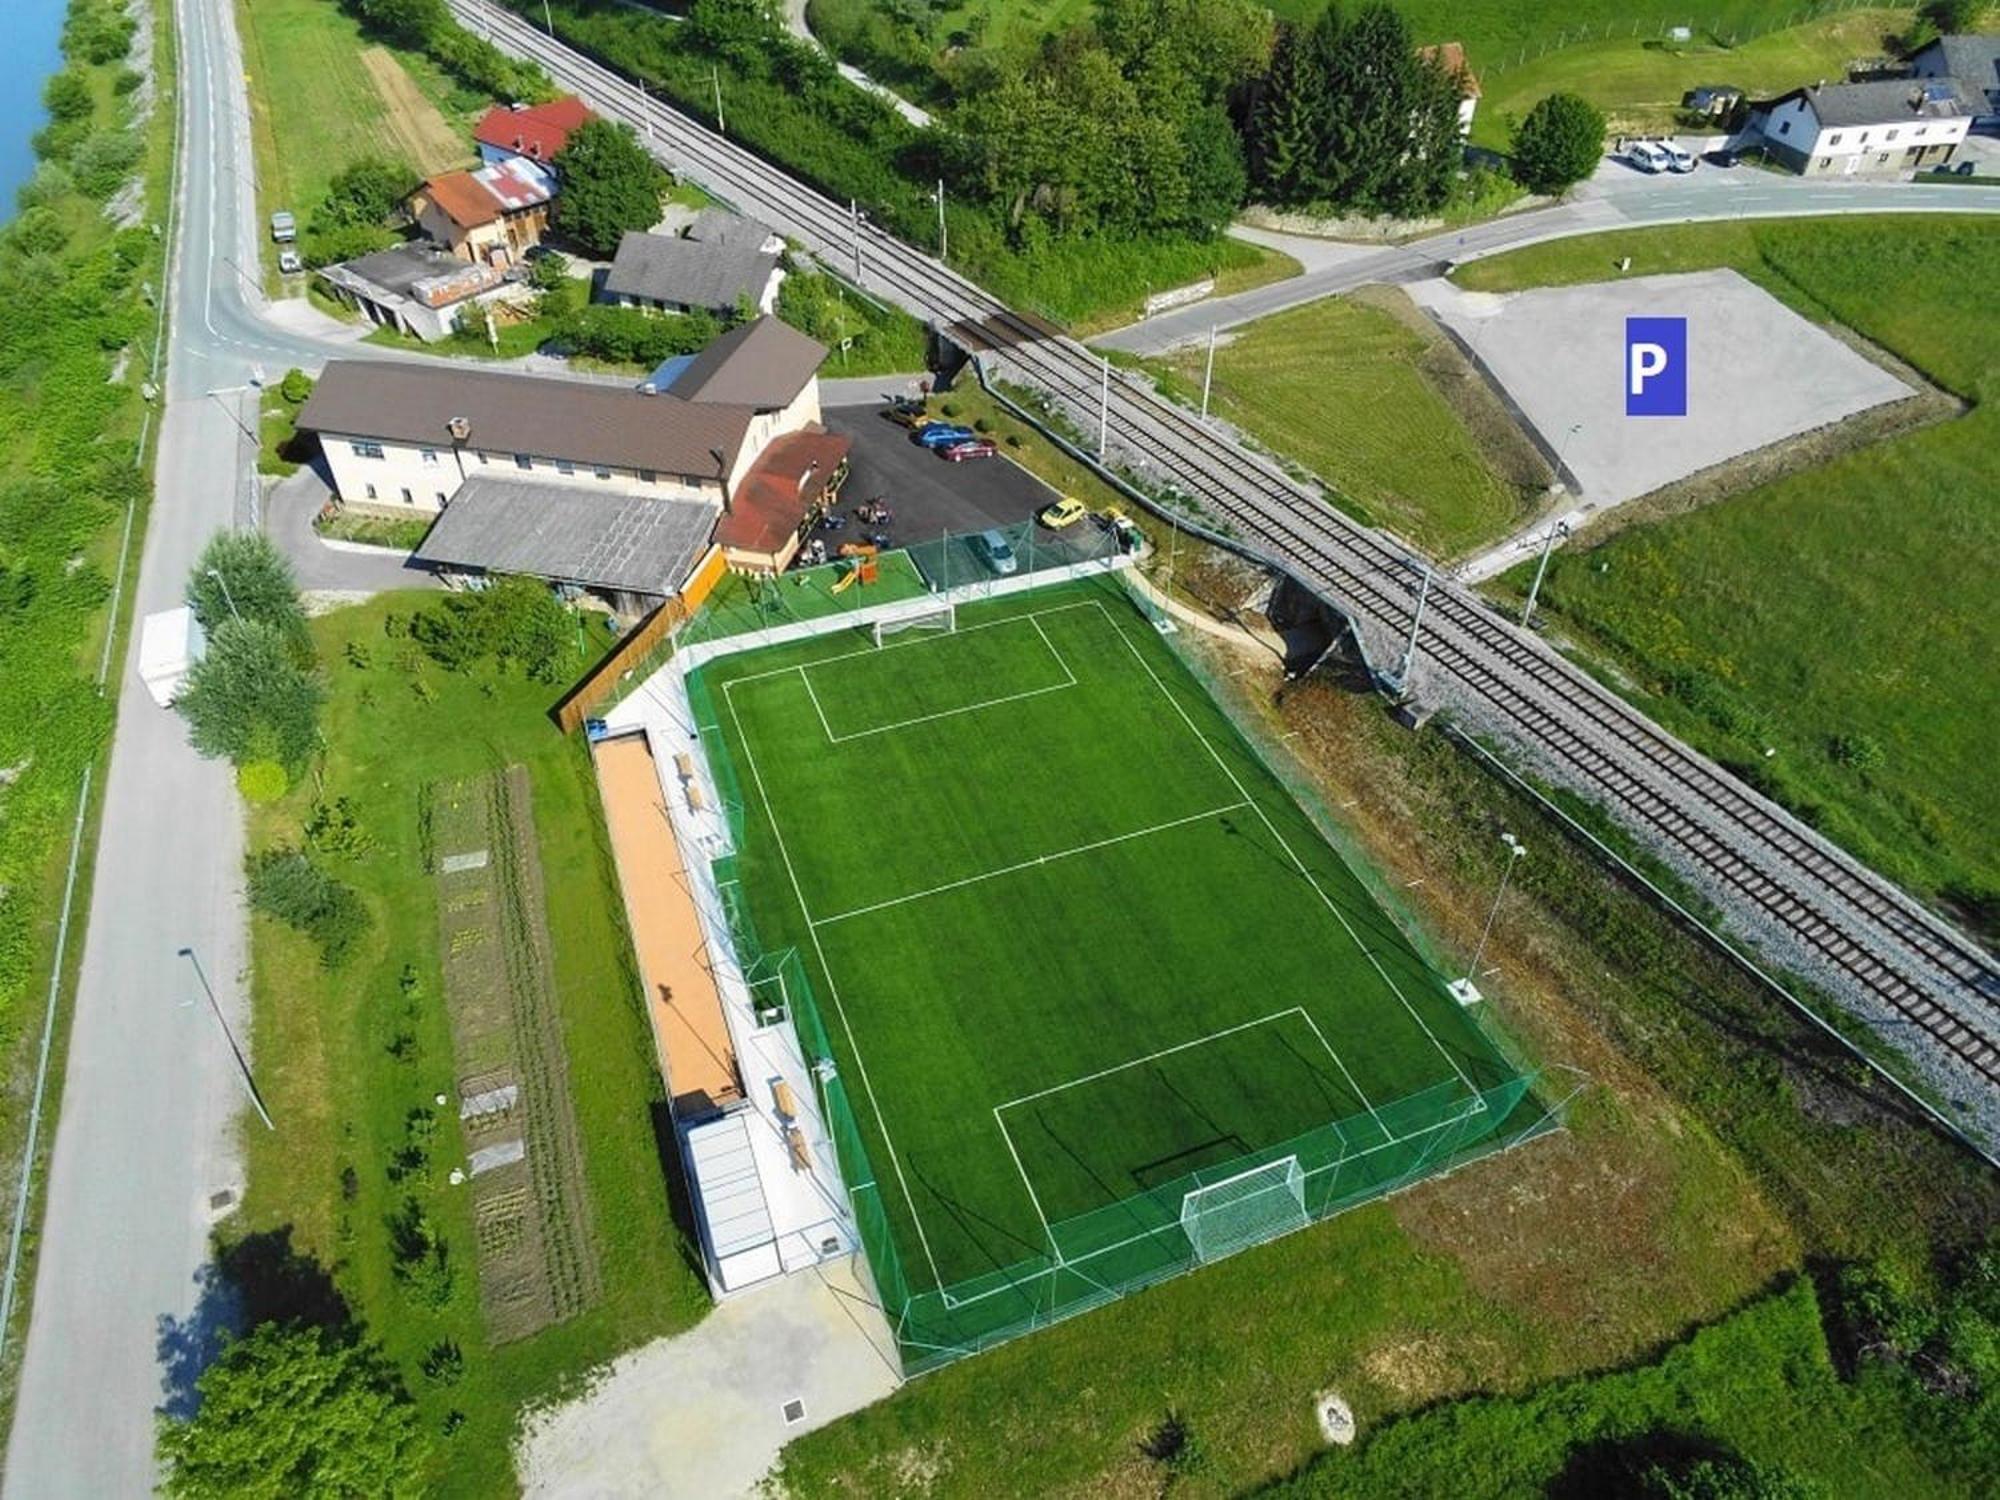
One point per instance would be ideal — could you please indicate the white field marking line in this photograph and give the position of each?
(1478, 1107)
(1297, 863)
(833, 989)
(1343, 1073)
(1069, 681)
(1048, 1234)
(915, 641)
(1026, 864)
(806, 678)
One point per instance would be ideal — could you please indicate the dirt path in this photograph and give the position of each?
(427, 138)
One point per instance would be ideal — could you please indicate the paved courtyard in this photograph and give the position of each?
(1757, 373)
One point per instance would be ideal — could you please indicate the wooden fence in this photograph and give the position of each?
(598, 683)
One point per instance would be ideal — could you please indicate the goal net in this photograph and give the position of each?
(1252, 1206)
(942, 616)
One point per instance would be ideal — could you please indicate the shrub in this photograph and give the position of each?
(422, 1260)
(67, 96)
(262, 781)
(1858, 751)
(296, 387)
(242, 575)
(622, 336)
(515, 621)
(284, 883)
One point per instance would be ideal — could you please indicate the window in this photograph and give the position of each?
(602, 472)
(1825, 162)
(431, 457)
(366, 450)
(371, 491)
(483, 457)
(408, 498)
(440, 499)
(1784, 127)
(1918, 131)
(1882, 159)
(1890, 136)
(1864, 137)
(522, 461)
(564, 466)
(1834, 139)
(649, 476)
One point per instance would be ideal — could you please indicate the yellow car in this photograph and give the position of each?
(1064, 512)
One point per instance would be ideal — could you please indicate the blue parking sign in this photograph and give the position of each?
(1656, 377)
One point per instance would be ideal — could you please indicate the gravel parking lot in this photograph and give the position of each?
(1757, 373)
(928, 495)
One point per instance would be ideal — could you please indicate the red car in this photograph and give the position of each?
(958, 453)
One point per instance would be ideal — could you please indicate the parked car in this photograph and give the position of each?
(959, 452)
(289, 262)
(1646, 156)
(1723, 158)
(937, 434)
(907, 413)
(1677, 159)
(991, 548)
(1064, 512)
(284, 228)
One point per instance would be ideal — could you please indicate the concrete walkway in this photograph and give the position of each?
(289, 509)
(701, 1416)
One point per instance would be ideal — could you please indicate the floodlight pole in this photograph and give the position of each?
(1515, 850)
(715, 77)
(1558, 529)
(1103, 407)
(242, 1066)
(1208, 374)
(1416, 623)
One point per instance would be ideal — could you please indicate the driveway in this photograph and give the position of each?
(929, 496)
(323, 567)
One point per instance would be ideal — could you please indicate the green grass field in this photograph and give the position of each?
(1344, 388)
(1833, 615)
(1074, 945)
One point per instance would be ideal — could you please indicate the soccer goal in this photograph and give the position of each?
(1250, 1207)
(940, 615)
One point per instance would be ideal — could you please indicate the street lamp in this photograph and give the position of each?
(1559, 529)
(1465, 989)
(222, 1022)
(227, 598)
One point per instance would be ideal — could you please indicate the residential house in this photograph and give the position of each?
(535, 131)
(417, 289)
(1892, 125)
(1451, 56)
(667, 273)
(493, 215)
(1974, 63)
(559, 477)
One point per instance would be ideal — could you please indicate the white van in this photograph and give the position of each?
(1677, 159)
(1647, 156)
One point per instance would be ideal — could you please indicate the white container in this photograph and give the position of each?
(170, 643)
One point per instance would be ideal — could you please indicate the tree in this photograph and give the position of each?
(367, 191)
(1289, 121)
(1952, 17)
(292, 1409)
(1558, 144)
(609, 185)
(1217, 180)
(67, 96)
(255, 582)
(249, 699)
(739, 30)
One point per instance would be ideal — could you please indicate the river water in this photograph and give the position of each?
(30, 31)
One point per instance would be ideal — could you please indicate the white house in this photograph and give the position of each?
(1895, 125)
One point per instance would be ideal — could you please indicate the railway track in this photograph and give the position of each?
(1749, 854)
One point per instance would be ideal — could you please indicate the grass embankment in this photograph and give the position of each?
(344, 1059)
(78, 342)
(1832, 616)
(1720, 1145)
(323, 96)
(1382, 408)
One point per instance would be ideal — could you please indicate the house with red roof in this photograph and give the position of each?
(1451, 57)
(535, 131)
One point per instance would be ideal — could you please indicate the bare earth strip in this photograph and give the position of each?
(426, 137)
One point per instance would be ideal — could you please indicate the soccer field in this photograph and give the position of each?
(1077, 955)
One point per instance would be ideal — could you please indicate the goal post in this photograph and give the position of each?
(1246, 1209)
(934, 614)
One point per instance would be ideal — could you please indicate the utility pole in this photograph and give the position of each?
(227, 598)
(1208, 374)
(242, 1066)
(551, 25)
(1104, 408)
(944, 237)
(1558, 529)
(645, 105)
(714, 77)
(1416, 623)
(854, 228)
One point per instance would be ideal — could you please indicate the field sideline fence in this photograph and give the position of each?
(1134, 1242)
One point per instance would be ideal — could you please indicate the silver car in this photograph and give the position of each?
(991, 548)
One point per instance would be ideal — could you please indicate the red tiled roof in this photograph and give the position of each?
(461, 198)
(770, 503)
(539, 131)
(1452, 56)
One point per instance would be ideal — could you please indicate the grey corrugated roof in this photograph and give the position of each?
(718, 226)
(619, 426)
(1888, 101)
(762, 364)
(639, 543)
(687, 273)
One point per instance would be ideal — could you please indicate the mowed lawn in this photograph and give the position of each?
(1339, 386)
(1842, 617)
(344, 1059)
(1071, 940)
(323, 95)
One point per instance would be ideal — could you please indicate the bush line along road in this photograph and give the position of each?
(1814, 908)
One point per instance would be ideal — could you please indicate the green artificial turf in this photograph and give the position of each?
(1072, 943)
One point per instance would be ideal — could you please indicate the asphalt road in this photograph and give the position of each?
(1617, 197)
(145, 1134)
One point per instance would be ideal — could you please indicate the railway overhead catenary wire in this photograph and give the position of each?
(1816, 909)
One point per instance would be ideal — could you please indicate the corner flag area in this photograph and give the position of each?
(1095, 998)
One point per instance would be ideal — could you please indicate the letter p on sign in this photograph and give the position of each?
(1656, 381)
